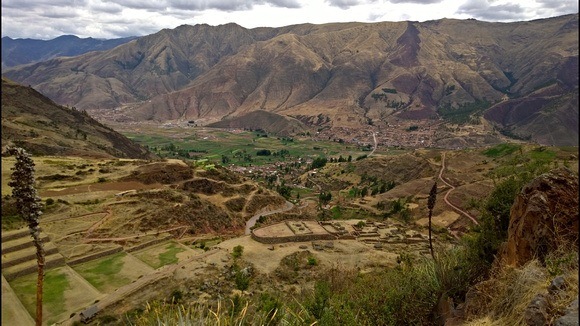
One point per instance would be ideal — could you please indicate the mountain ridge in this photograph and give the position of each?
(34, 122)
(354, 74)
(23, 51)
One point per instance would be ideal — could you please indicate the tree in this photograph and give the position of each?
(364, 191)
(430, 206)
(318, 162)
(238, 251)
(324, 198)
(28, 204)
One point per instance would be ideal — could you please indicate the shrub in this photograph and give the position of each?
(242, 280)
(312, 261)
(176, 296)
(238, 251)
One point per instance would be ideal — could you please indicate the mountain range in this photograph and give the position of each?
(520, 77)
(22, 51)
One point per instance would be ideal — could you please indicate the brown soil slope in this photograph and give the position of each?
(36, 123)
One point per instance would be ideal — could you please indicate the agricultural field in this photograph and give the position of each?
(236, 147)
(111, 272)
(164, 254)
(135, 222)
(64, 291)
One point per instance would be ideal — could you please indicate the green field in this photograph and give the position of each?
(160, 255)
(110, 273)
(104, 273)
(55, 283)
(239, 148)
(63, 291)
(501, 150)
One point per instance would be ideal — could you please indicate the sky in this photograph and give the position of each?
(47, 19)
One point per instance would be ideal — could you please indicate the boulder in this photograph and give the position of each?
(536, 313)
(543, 217)
(570, 317)
(556, 285)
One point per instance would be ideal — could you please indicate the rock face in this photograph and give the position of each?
(544, 216)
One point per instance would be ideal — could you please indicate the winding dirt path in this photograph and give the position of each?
(375, 147)
(446, 198)
(99, 223)
(252, 221)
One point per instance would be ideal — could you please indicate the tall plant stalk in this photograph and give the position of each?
(430, 206)
(28, 204)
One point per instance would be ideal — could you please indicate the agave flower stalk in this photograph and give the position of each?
(28, 204)
(430, 206)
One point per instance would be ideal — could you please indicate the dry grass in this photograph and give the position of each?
(232, 312)
(511, 290)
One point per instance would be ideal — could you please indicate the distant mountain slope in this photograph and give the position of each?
(541, 117)
(330, 75)
(36, 123)
(22, 51)
(263, 120)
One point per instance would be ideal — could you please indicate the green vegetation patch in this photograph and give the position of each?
(542, 154)
(170, 256)
(55, 284)
(104, 273)
(161, 255)
(465, 113)
(501, 150)
(239, 149)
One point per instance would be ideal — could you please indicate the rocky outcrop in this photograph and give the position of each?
(544, 217)
(570, 317)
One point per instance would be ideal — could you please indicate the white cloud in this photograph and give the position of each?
(504, 10)
(48, 19)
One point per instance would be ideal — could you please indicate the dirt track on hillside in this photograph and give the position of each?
(459, 210)
(105, 186)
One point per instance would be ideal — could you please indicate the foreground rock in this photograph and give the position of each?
(543, 218)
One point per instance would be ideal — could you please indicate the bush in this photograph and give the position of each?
(176, 296)
(312, 261)
(318, 162)
(484, 243)
(238, 251)
(264, 152)
(242, 280)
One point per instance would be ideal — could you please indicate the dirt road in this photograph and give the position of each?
(252, 221)
(446, 198)
(375, 147)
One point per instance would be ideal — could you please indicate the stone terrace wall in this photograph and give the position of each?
(149, 243)
(94, 256)
(34, 268)
(293, 238)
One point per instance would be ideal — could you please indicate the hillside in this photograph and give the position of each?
(332, 75)
(263, 120)
(34, 122)
(22, 51)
